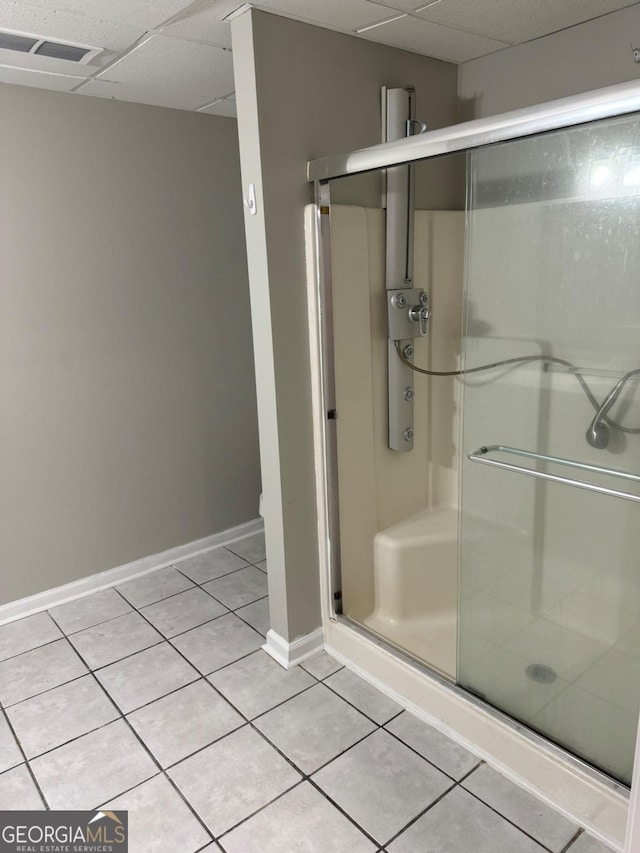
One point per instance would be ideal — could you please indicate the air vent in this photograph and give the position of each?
(62, 51)
(9, 41)
(28, 43)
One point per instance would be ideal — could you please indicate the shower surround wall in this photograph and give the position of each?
(398, 511)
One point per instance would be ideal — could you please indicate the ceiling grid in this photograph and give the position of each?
(177, 53)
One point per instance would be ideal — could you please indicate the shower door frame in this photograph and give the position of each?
(608, 102)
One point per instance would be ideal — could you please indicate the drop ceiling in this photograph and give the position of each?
(175, 53)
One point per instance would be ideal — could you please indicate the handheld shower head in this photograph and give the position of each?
(598, 432)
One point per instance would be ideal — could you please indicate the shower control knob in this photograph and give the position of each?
(421, 316)
(408, 434)
(408, 393)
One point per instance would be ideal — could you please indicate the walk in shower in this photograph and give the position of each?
(502, 550)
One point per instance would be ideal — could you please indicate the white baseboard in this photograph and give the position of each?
(291, 654)
(103, 580)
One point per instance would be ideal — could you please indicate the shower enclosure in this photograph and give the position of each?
(501, 551)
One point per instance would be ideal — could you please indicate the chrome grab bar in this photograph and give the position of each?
(481, 455)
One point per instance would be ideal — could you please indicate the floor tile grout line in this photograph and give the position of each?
(421, 814)
(237, 613)
(243, 716)
(200, 749)
(240, 606)
(228, 610)
(13, 766)
(508, 820)
(464, 778)
(65, 633)
(128, 655)
(213, 671)
(568, 847)
(399, 714)
(207, 845)
(429, 760)
(324, 678)
(240, 555)
(34, 648)
(129, 790)
(42, 692)
(44, 800)
(269, 743)
(279, 705)
(305, 777)
(77, 737)
(5, 705)
(203, 586)
(68, 634)
(139, 607)
(249, 722)
(151, 755)
(344, 813)
(202, 678)
(101, 668)
(300, 693)
(317, 680)
(170, 640)
(355, 707)
(297, 784)
(209, 580)
(135, 609)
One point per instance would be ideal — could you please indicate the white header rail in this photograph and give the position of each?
(621, 99)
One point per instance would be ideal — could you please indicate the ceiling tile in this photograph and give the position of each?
(342, 15)
(168, 72)
(143, 15)
(56, 82)
(66, 26)
(516, 21)
(205, 23)
(433, 40)
(225, 107)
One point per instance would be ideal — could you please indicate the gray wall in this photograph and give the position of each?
(303, 92)
(127, 396)
(587, 56)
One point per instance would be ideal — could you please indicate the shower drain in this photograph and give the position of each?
(541, 673)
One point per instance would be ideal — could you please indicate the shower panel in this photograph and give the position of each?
(407, 306)
(502, 552)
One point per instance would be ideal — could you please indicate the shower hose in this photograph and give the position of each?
(600, 408)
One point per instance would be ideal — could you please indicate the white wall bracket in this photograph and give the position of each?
(250, 202)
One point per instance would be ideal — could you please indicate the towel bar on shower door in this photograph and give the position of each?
(481, 455)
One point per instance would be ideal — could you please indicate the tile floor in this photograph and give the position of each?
(156, 697)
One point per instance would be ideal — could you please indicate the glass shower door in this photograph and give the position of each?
(549, 626)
